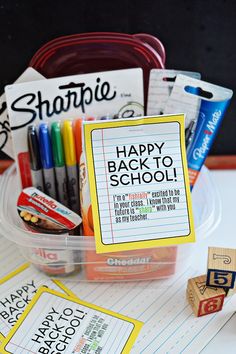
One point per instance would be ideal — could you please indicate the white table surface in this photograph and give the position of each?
(224, 235)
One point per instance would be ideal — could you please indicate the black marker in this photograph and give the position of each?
(35, 161)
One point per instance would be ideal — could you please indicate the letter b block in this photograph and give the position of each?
(204, 300)
(221, 267)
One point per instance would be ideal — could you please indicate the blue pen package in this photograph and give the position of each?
(204, 105)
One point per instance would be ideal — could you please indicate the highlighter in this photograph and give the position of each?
(59, 163)
(71, 165)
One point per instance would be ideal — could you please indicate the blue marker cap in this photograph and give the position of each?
(45, 146)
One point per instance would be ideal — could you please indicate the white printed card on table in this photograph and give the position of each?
(56, 323)
(17, 290)
(139, 183)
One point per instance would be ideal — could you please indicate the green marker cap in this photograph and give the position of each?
(57, 145)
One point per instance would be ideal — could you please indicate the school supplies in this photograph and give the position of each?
(77, 126)
(204, 104)
(71, 165)
(59, 163)
(35, 160)
(69, 97)
(161, 82)
(47, 160)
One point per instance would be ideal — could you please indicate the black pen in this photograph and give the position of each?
(189, 132)
(35, 161)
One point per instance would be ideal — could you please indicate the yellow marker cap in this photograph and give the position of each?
(69, 143)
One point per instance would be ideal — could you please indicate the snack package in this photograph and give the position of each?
(204, 105)
(42, 214)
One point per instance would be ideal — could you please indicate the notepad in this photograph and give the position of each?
(55, 323)
(139, 183)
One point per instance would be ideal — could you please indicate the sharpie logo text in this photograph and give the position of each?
(34, 105)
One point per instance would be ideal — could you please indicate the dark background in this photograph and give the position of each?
(198, 35)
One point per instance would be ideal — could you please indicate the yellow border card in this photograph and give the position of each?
(16, 292)
(57, 323)
(139, 183)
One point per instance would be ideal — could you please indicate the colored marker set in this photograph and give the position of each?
(54, 152)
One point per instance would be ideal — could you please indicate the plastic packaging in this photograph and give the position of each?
(207, 215)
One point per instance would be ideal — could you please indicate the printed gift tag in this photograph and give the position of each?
(139, 183)
(16, 291)
(56, 323)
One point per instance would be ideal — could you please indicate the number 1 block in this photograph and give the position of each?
(221, 270)
(204, 300)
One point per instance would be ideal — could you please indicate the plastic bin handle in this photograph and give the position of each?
(154, 42)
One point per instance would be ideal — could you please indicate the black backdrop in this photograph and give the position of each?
(198, 35)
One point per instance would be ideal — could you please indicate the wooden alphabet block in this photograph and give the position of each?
(204, 300)
(221, 266)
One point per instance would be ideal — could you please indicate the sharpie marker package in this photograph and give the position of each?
(42, 214)
(204, 105)
(118, 92)
(161, 82)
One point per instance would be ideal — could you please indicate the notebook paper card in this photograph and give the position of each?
(16, 291)
(161, 82)
(139, 183)
(55, 323)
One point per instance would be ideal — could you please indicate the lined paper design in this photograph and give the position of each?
(116, 330)
(161, 83)
(16, 293)
(10, 257)
(160, 221)
(169, 324)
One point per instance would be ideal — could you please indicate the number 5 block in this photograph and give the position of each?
(221, 267)
(202, 299)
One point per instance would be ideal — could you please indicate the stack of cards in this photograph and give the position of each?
(40, 315)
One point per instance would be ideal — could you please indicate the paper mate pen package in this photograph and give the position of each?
(204, 105)
(42, 214)
(161, 82)
(118, 92)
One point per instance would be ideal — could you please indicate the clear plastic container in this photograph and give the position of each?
(145, 264)
(99, 51)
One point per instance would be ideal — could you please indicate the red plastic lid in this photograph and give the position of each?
(100, 51)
